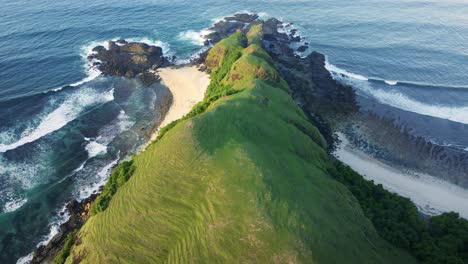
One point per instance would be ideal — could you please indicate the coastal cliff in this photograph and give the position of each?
(242, 178)
(246, 176)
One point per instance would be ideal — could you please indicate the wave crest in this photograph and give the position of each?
(397, 99)
(73, 105)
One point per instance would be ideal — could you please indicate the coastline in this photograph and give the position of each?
(424, 190)
(187, 85)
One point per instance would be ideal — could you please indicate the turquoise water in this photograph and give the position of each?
(58, 141)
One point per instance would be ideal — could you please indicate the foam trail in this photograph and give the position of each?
(95, 149)
(26, 259)
(195, 37)
(55, 226)
(92, 72)
(389, 82)
(69, 110)
(101, 179)
(14, 205)
(399, 100)
(332, 68)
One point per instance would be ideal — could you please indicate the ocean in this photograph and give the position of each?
(63, 126)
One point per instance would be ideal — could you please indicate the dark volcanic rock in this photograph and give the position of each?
(79, 213)
(302, 48)
(99, 49)
(226, 28)
(313, 88)
(295, 38)
(149, 77)
(229, 25)
(244, 18)
(128, 59)
(122, 41)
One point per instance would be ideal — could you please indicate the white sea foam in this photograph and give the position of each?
(92, 72)
(70, 109)
(332, 68)
(398, 99)
(14, 205)
(54, 226)
(195, 37)
(263, 15)
(430, 194)
(100, 180)
(389, 82)
(95, 149)
(26, 259)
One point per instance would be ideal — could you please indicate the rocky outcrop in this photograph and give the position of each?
(79, 213)
(313, 88)
(229, 25)
(129, 59)
(371, 132)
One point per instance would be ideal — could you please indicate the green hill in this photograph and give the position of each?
(244, 178)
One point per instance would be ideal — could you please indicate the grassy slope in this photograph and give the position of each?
(243, 182)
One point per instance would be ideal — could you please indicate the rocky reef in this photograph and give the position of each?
(129, 59)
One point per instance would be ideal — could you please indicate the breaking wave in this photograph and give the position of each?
(73, 105)
(397, 99)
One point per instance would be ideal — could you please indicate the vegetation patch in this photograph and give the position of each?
(119, 177)
(439, 239)
(65, 251)
(241, 179)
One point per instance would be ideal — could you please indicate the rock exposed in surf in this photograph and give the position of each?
(229, 25)
(129, 59)
(79, 213)
(244, 18)
(302, 48)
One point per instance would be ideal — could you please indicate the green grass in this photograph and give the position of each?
(243, 178)
(438, 239)
(254, 36)
(65, 252)
(118, 178)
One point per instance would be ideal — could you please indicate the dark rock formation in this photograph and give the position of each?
(321, 97)
(243, 18)
(227, 26)
(129, 59)
(79, 213)
(371, 131)
(302, 48)
(313, 88)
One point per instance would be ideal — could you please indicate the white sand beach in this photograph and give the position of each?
(430, 194)
(188, 86)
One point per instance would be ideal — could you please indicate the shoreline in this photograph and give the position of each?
(431, 195)
(187, 85)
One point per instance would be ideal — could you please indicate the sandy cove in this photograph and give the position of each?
(188, 86)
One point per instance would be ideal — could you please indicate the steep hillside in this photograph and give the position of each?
(242, 179)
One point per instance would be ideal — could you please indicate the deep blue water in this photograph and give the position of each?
(56, 143)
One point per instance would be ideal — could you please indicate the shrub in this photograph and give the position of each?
(65, 251)
(439, 239)
(119, 176)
